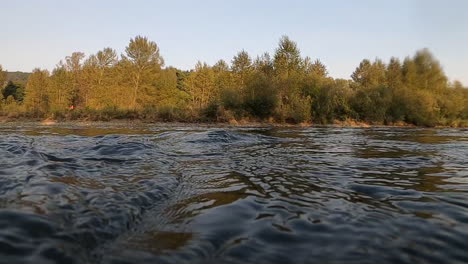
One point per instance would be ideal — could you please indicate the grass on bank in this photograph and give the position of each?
(208, 115)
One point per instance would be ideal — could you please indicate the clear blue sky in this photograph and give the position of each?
(340, 33)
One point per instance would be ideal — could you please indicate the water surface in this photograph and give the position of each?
(116, 193)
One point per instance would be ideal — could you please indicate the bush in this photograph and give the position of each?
(298, 110)
(261, 97)
(422, 109)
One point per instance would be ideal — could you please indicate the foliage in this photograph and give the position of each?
(285, 87)
(142, 63)
(3, 77)
(15, 90)
(36, 95)
(261, 96)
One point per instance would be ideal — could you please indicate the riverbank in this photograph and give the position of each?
(214, 123)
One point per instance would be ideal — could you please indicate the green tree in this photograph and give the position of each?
(373, 98)
(74, 65)
(394, 79)
(2, 77)
(14, 90)
(394, 74)
(242, 63)
(333, 101)
(166, 94)
(452, 103)
(99, 71)
(289, 77)
(101, 63)
(430, 73)
(224, 79)
(241, 69)
(285, 86)
(264, 64)
(61, 91)
(317, 68)
(316, 79)
(424, 82)
(200, 86)
(36, 95)
(142, 62)
(369, 75)
(261, 96)
(287, 57)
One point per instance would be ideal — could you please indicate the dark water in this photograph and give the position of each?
(153, 194)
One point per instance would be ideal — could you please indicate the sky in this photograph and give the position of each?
(338, 32)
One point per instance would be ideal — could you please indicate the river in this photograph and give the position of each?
(121, 193)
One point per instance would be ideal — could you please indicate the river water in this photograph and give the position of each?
(117, 193)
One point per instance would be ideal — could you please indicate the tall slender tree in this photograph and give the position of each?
(200, 86)
(143, 62)
(36, 97)
(241, 68)
(2, 77)
(287, 57)
(98, 71)
(61, 90)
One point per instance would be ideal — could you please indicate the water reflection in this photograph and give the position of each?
(160, 242)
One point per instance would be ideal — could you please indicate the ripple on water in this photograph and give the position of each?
(149, 194)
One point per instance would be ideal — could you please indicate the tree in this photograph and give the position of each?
(452, 102)
(430, 73)
(260, 98)
(394, 75)
(225, 83)
(36, 97)
(143, 62)
(241, 63)
(200, 86)
(369, 75)
(14, 90)
(373, 97)
(101, 62)
(424, 82)
(264, 64)
(221, 66)
(333, 101)
(362, 73)
(394, 78)
(223, 77)
(241, 68)
(317, 68)
(289, 79)
(2, 77)
(287, 57)
(62, 89)
(316, 78)
(284, 86)
(74, 66)
(99, 73)
(166, 94)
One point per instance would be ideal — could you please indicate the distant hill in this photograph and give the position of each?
(18, 77)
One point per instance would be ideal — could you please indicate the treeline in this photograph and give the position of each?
(284, 87)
